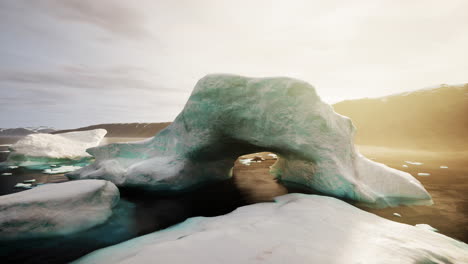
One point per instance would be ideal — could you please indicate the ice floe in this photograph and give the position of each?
(61, 169)
(423, 174)
(56, 209)
(295, 229)
(48, 148)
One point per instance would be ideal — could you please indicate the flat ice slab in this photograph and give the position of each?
(296, 229)
(71, 145)
(56, 209)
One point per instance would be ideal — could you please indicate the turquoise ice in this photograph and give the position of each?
(228, 116)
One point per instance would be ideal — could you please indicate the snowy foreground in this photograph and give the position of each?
(56, 209)
(296, 229)
(46, 148)
(228, 116)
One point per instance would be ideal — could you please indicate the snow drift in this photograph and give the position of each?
(56, 209)
(228, 116)
(296, 229)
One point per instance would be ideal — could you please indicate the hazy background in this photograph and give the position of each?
(72, 63)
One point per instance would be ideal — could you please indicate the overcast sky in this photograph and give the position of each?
(70, 63)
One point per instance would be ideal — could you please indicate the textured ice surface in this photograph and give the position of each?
(296, 229)
(56, 209)
(45, 148)
(229, 116)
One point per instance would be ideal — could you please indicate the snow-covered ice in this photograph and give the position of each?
(43, 148)
(23, 185)
(423, 174)
(29, 181)
(296, 229)
(228, 116)
(414, 163)
(56, 209)
(426, 227)
(62, 169)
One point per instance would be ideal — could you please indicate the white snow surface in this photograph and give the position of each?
(228, 116)
(70, 145)
(296, 229)
(56, 209)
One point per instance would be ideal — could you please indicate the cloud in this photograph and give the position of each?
(76, 76)
(115, 16)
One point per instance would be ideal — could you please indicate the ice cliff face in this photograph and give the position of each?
(228, 116)
(295, 229)
(56, 209)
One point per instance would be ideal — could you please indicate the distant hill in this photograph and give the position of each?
(24, 131)
(125, 129)
(427, 119)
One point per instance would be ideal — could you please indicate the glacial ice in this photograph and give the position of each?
(297, 228)
(56, 209)
(37, 149)
(228, 116)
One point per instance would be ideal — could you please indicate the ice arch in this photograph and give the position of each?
(227, 116)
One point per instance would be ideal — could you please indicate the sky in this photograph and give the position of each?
(72, 63)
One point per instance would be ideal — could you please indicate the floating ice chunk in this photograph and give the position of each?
(62, 169)
(444, 167)
(397, 214)
(23, 185)
(282, 115)
(427, 227)
(48, 147)
(7, 173)
(56, 209)
(245, 161)
(296, 229)
(423, 174)
(30, 181)
(273, 155)
(414, 162)
(405, 166)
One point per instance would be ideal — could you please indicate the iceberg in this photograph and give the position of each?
(36, 149)
(56, 209)
(228, 116)
(298, 228)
